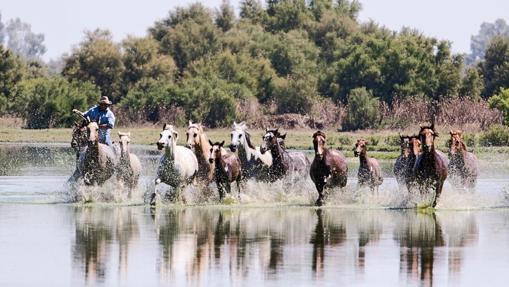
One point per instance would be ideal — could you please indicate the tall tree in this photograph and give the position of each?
(488, 31)
(98, 60)
(495, 67)
(252, 10)
(22, 41)
(225, 17)
(11, 73)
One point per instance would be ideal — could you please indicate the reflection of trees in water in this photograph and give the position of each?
(96, 228)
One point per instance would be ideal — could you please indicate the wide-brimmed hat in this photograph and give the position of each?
(105, 100)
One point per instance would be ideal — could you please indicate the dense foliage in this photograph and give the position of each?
(288, 56)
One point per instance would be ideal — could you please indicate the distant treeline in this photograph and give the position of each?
(289, 56)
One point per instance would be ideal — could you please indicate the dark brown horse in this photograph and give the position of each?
(463, 169)
(79, 143)
(403, 163)
(328, 169)
(369, 173)
(431, 167)
(415, 153)
(227, 168)
(283, 162)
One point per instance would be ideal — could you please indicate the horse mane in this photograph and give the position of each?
(248, 140)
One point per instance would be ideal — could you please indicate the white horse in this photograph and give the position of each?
(98, 162)
(254, 163)
(178, 165)
(129, 166)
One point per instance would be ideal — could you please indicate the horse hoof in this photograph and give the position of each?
(153, 199)
(319, 202)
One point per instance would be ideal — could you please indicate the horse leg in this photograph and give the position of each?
(319, 188)
(153, 196)
(220, 190)
(438, 191)
(238, 186)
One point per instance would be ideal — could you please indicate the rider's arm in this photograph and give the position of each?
(111, 122)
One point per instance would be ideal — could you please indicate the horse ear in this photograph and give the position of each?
(164, 126)
(175, 135)
(222, 143)
(266, 130)
(234, 124)
(283, 136)
(210, 143)
(190, 122)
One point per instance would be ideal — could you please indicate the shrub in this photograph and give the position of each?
(497, 135)
(363, 110)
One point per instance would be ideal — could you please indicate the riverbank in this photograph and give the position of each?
(383, 143)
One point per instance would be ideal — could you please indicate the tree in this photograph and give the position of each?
(225, 17)
(286, 15)
(495, 67)
(22, 41)
(363, 110)
(472, 84)
(11, 73)
(488, 31)
(46, 103)
(501, 101)
(98, 60)
(141, 59)
(252, 10)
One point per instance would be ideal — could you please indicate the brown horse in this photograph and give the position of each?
(431, 166)
(283, 162)
(369, 173)
(198, 142)
(328, 169)
(463, 167)
(226, 168)
(416, 152)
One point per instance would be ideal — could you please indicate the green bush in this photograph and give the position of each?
(46, 103)
(497, 135)
(470, 140)
(345, 140)
(392, 140)
(363, 110)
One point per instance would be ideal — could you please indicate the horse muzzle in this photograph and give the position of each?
(233, 148)
(211, 160)
(160, 145)
(356, 153)
(263, 150)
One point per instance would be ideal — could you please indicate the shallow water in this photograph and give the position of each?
(273, 237)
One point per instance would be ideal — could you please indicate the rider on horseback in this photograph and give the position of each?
(104, 117)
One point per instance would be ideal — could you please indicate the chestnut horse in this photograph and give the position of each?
(369, 173)
(415, 153)
(283, 162)
(328, 169)
(226, 168)
(431, 167)
(463, 167)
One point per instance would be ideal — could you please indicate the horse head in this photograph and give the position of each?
(456, 143)
(168, 136)
(215, 151)
(79, 136)
(319, 143)
(361, 147)
(416, 144)
(271, 139)
(93, 133)
(125, 139)
(238, 135)
(193, 134)
(405, 145)
(427, 136)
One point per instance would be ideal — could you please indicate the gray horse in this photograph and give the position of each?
(129, 166)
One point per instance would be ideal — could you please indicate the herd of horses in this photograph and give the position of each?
(421, 167)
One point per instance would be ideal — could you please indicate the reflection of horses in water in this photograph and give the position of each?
(129, 166)
(99, 161)
(328, 169)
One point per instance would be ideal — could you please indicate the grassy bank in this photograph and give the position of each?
(383, 144)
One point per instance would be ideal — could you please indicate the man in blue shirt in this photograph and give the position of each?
(104, 118)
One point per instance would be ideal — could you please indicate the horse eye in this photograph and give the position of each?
(194, 135)
(211, 149)
(240, 136)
